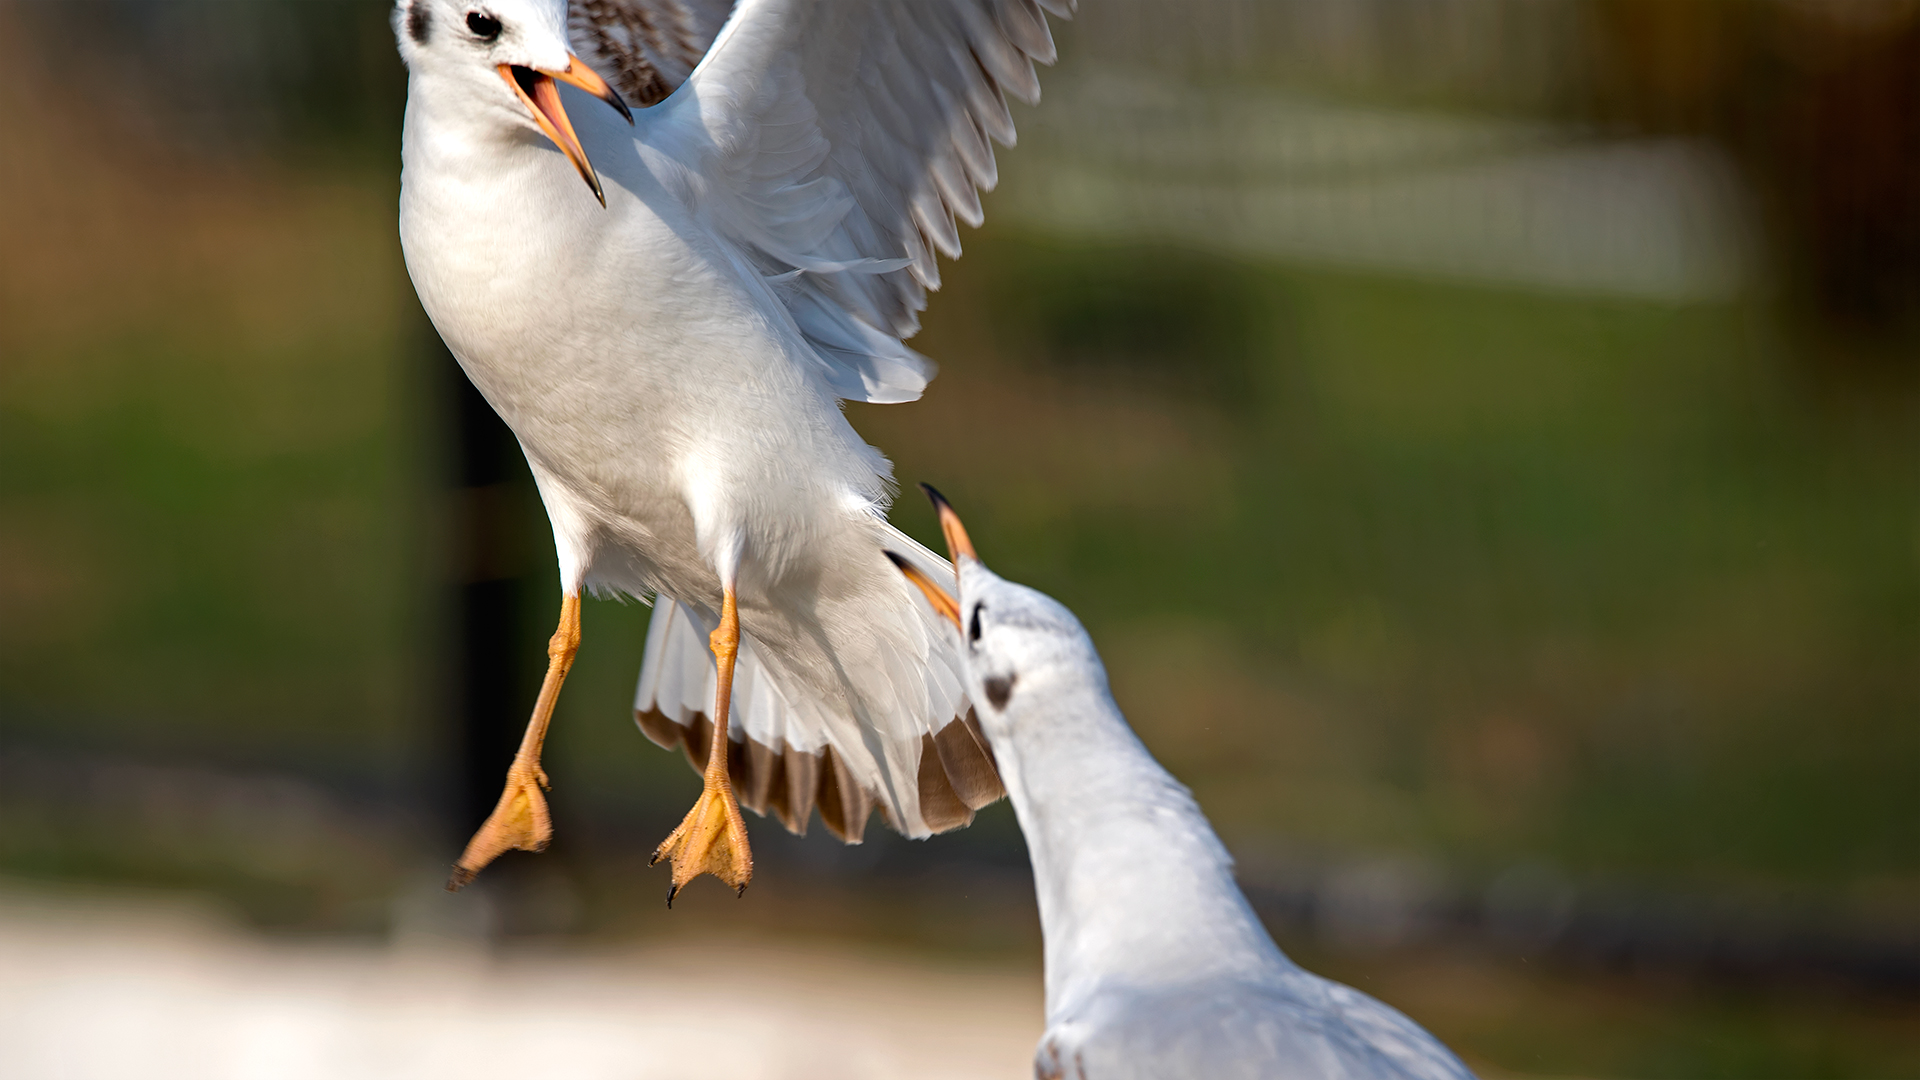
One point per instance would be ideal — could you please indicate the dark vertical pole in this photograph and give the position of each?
(490, 479)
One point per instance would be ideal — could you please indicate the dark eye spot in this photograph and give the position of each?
(419, 22)
(973, 624)
(999, 689)
(484, 26)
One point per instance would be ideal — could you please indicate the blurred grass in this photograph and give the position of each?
(204, 493)
(1518, 1019)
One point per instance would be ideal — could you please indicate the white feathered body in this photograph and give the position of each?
(1156, 966)
(677, 420)
(659, 389)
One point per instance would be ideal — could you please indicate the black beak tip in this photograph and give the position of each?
(620, 105)
(939, 501)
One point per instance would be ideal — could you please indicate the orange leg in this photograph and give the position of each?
(520, 820)
(713, 837)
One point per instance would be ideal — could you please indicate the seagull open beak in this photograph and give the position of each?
(937, 596)
(958, 547)
(542, 98)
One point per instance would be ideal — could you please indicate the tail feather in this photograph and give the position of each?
(781, 754)
(844, 804)
(967, 761)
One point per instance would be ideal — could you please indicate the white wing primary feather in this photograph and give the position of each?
(843, 140)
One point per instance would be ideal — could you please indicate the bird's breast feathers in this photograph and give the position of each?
(620, 344)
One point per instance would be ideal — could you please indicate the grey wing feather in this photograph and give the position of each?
(1393, 1045)
(1299, 1026)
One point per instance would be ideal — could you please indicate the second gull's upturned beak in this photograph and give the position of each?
(537, 92)
(958, 546)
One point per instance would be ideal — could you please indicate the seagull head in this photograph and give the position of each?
(1017, 643)
(508, 55)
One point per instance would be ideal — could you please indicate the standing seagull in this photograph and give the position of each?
(1156, 966)
(671, 339)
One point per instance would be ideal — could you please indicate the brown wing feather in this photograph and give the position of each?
(940, 805)
(844, 805)
(645, 48)
(957, 776)
(967, 761)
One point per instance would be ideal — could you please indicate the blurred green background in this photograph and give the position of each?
(1483, 437)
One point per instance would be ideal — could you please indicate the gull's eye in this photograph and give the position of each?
(973, 624)
(484, 26)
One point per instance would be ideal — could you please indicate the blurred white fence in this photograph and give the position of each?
(1285, 176)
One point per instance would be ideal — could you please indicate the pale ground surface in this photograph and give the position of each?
(111, 988)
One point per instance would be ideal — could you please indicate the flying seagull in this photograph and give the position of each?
(667, 305)
(1156, 967)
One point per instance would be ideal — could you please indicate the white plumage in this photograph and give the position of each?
(1156, 966)
(672, 363)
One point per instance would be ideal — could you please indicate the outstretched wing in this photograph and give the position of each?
(838, 144)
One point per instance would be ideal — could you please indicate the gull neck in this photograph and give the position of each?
(1133, 884)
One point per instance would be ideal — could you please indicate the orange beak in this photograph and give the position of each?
(542, 98)
(958, 547)
(942, 602)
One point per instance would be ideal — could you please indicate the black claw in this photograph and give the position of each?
(672, 891)
(460, 878)
(739, 892)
